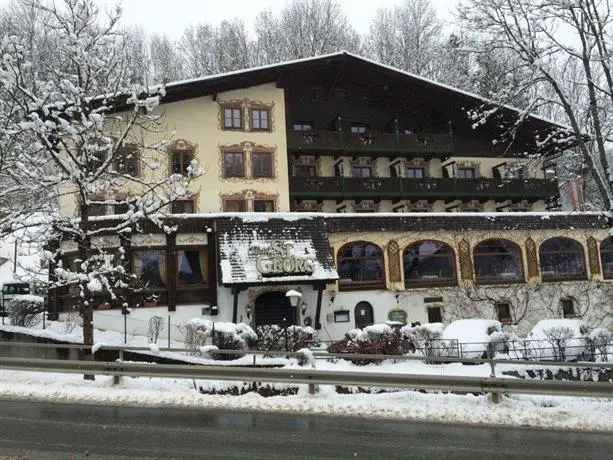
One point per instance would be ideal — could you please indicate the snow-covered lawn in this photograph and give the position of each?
(580, 414)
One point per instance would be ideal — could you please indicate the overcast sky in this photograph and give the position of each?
(172, 16)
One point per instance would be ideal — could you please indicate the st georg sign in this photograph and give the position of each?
(278, 259)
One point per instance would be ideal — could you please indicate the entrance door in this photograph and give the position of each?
(273, 308)
(363, 315)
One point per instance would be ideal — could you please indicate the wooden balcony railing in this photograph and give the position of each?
(369, 142)
(428, 188)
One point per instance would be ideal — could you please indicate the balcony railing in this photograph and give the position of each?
(369, 142)
(428, 188)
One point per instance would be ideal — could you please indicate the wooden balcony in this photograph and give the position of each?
(348, 188)
(393, 143)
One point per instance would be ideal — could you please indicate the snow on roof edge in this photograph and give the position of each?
(368, 60)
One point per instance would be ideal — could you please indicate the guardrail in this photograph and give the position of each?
(313, 377)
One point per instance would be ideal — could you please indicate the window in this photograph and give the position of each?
(341, 95)
(96, 209)
(305, 171)
(503, 311)
(435, 315)
(128, 161)
(234, 164)
(606, 257)
(358, 128)
(260, 119)
(263, 206)
(182, 207)
(262, 164)
(192, 267)
(429, 262)
(181, 160)
(149, 266)
(234, 206)
(318, 94)
(360, 265)
(498, 261)
(233, 118)
(303, 126)
(467, 173)
(361, 172)
(341, 316)
(121, 208)
(561, 259)
(568, 308)
(416, 173)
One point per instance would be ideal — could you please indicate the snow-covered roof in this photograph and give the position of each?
(177, 85)
(253, 252)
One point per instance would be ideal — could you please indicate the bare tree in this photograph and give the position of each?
(84, 131)
(166, 66)
(304, 28)
(405, 36)
(565, 52)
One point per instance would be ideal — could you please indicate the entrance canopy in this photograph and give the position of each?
(259, 250)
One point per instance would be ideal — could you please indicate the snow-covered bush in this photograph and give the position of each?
(377, 339)
(25, 310)
(602, 343)
(272, 337)
(559, 340)
(72, 319)
(426, 339)
(225, 336)
(156, 325)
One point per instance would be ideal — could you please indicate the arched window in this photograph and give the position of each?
(361, 266)
(498, 261)
(606, 257)
(429, 263)
(561, 259)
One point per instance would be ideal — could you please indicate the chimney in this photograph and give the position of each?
(572, 194)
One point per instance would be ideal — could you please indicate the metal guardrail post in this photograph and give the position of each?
(495, 395)
(117, 378)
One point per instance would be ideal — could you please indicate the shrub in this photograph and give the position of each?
(225, 336)
(156, 325)
(25, 310)
(293, 338)
(601, 340)
(377, 339)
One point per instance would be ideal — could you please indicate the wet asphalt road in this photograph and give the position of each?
(60, 431)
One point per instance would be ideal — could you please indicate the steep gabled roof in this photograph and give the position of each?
(196, 87)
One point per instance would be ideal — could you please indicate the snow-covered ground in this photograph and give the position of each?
(578, 414)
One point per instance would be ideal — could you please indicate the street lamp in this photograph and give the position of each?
(294, 298)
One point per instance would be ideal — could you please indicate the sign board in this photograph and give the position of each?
(399, 316)
(187, 239)
(278, 259)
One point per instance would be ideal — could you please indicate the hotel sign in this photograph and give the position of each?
(279, 259)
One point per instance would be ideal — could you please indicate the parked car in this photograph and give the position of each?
(473, 338)
(559, 340)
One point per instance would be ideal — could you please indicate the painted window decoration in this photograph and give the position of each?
(260, 120)
(606, 256)
(181, 160)
(498, 260)
(361, 265)
(192, 267)
(149, 266)
(562, 259)
(233, 118)
(429, 262)
(262, 164)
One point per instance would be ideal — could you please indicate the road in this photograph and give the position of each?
(59, 431)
